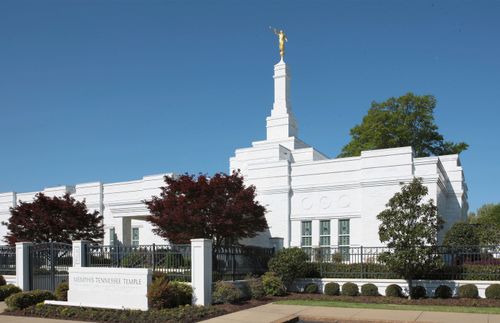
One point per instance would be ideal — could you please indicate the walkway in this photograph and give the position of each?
(280, 313)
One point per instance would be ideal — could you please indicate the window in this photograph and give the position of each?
(324, 238)
(135, 236)
(324, 233)
(112, 236)
(344, 239)
(306, 239)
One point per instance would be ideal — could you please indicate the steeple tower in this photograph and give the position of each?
(281, 123)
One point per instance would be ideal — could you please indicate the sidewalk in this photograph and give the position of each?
(279, 313)
(274, 313)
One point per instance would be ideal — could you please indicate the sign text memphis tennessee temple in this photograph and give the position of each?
(311, 200)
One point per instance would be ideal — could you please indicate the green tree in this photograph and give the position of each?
(462, 234)
(487, 220)
(398, 122)
(410, 227)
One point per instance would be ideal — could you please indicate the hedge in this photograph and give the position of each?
(468, 291)
(373, 270)
(7, 290)
(339, 270)
(493, 291)
(23, 300)
(332, 289)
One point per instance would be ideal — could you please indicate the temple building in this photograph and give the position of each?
(311, 199)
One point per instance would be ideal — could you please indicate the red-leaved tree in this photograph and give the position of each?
(220, 208)
(53, 219)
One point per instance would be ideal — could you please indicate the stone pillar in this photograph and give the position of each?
(201, 271)
(23, 265)
(124, 231)
(80, 253)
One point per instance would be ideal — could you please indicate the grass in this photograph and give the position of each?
(430, 308)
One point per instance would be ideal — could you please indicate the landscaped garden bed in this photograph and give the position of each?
(185, 313)
(197, 313)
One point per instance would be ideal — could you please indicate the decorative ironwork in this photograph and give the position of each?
(7, 260)
(461, 263)
(236, 262)
(173, 260)
(49, 263)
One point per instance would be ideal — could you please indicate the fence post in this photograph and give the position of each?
(201, 271)
(79, 254)
(23, 265)
(233, 263)
(153, 260)
(361, 261)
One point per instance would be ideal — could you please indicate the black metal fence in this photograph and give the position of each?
(236, 262)
(461, 263)
(173, 260)
(48, 264)
(7, 260)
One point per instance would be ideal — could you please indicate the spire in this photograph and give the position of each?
(281, 123)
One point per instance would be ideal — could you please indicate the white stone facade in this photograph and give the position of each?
(302, 189)
(298, 184)
(121, 204)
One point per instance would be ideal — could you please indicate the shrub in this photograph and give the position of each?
(332, 289)
(312, 270)
(289, 263)
(225, 292)
(480, 271)
(256, 288)
(493, 291)
(179, 314)
(158, 274)
(369, 290)
(394, 290)
(443, 291)
(2, 281)
(23, 300)
(311, 288)
(417, 292)
(7, 290)
(165, 294)
(350, 289)
(353, 270)
(468, 291)
(62, 291)
(273, 285)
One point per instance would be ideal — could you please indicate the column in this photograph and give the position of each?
(124, 231)
(201, 271)
(23, 264)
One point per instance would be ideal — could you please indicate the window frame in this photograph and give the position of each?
(135, 242)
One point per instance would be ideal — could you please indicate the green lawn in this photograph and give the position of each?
(433, 308)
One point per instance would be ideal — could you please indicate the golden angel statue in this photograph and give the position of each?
(282, 39)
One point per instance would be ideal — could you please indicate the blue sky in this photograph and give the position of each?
(114, 90)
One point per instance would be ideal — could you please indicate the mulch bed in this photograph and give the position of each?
(222, 309)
